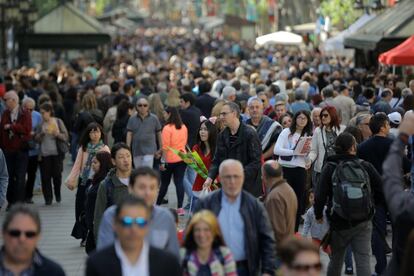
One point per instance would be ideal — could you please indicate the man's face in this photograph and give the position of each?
(10, 103)
(256, 109)
(232, 178)
(29, 106)
(21, 238)
(184, 104)
(130, 235)
(280, 110)
(123, 160)
(316, 119)
(146, 187)
(364, 127)
(142, 107)
(227, 116)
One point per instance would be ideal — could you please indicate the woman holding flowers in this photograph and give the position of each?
(205, 148)
(174, 136)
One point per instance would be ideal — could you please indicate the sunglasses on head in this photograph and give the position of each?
(307, 267)
(17, 233)
(127, 222)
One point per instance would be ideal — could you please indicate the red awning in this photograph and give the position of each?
(403, 54)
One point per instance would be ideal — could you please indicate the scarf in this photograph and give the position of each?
(91, 150)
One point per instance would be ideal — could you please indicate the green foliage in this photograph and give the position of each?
(341, 12)
(45, 6)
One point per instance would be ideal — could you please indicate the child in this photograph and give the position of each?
(317, 231)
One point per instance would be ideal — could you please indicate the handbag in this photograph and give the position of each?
(62, 145)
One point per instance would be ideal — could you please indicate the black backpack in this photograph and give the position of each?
(351, 191)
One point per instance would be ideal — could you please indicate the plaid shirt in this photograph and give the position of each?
(37, 261)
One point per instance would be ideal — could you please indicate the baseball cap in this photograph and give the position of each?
(395, 118)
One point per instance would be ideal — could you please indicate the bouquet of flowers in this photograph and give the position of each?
(193, 160)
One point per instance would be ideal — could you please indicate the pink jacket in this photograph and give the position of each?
(79, 165)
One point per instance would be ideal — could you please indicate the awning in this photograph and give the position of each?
(403, 54)
(279, 38)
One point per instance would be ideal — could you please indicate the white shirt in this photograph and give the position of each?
(141, 267)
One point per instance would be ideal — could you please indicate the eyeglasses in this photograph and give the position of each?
(307, 267)
(301, 118)
(17, 233)
(324, 115)
(142, 105)
(127, 222)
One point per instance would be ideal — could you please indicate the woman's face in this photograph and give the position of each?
(301, 121)
(95, 135)
(203, 235)
(45, 115)
(286, 122)
(203, 133)
(325, 118)
(95, 165)
(306, 263)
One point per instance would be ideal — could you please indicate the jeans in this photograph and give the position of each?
(51, 169)
(17, 168)
(348, 258)
(144, 160)
(359, 238)
(31, 176)
(188, 181)
(74, 146)
(177, 171)
(378, 235)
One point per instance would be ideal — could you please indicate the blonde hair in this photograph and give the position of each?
(89, 102)
(155, 105)
(209, 218)
(173, 98)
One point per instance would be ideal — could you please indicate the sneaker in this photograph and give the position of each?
(349, 271)
(180, 212)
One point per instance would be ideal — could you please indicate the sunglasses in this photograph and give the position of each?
(127, 222)
(142, 105)
(324, 115)
(17, 233)
(307, 267)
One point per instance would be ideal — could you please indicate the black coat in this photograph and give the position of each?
(106, 262)
(259, 237)
(191, 119)
(205, 103)
(400, 205)
(247, 149)
(47, 267)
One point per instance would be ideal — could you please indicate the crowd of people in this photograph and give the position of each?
(295, 144)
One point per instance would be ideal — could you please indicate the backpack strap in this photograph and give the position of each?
(109, 186)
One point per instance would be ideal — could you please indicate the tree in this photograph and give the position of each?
(45, 6)
(341, 12)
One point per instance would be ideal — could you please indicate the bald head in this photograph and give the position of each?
(271, 169)
(12, 100)
(232, 178)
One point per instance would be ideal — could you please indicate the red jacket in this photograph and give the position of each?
(15, 138)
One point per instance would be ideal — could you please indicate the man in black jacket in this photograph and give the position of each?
(345, 232)
(400, 203)
(21, 234)
(243, 220)
(238, 141)
(131, 254)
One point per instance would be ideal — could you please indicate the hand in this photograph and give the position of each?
(407, 124)
(70, 187)
(158, 154)
(266, 274)
(162, 167)
(308, 165)
(7, 126)
(55, 133)
(319, 221)
(207, 183)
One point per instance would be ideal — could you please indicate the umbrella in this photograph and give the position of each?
(282, 38)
